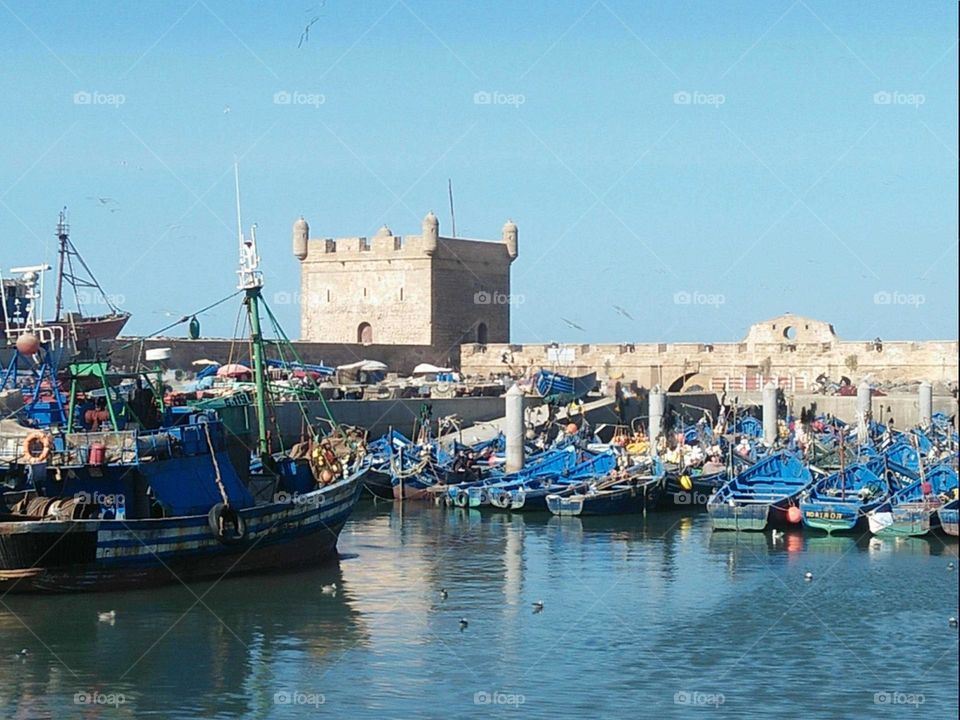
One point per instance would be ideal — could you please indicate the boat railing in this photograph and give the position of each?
(50, 335)
(119, 448)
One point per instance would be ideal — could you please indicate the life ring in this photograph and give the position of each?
(36, 446)
(222, 520)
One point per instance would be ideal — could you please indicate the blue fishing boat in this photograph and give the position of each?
(693, 486)
(181, 509)
(949, 514)
(550, 462)
(631, 491)
(761, 495)
(840, 502)
(532, 494)
(560, 389)
(913, 511)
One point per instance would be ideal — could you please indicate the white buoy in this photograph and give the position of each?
(926, 404)
(769, 413)
(863, 410)
(808, 576)
(657, 409)
(514, 410)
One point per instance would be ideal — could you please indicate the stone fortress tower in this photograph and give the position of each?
(405, 289)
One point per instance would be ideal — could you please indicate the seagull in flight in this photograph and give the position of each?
(573, 324)
(623, 312)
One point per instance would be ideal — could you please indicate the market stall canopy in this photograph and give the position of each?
(365, 365)
(234, 370)
(427, 368)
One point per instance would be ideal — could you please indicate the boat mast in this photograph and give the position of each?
(63, 234)
(250, 281)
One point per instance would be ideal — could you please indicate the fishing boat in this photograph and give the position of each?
(949, 520)
(630, 491)
(531, 496)
(181, 511)
(548, 463)
(841, 501)
(693, 485)
(379, 480)
(762, 495)
(557, 389)
(913, 511)
(78, 330)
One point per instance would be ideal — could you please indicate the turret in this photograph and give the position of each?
(431, 233)
(509, 238)
(301, 232)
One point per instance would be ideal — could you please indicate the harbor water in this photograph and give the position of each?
(655, 617)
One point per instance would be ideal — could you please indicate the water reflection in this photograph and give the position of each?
(624, 597)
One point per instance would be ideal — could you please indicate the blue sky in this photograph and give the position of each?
(749, 157)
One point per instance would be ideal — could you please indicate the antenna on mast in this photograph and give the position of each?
(250, 274)
(236, 180)
(453, 219)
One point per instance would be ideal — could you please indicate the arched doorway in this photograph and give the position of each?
(365, 333)
(482, 333)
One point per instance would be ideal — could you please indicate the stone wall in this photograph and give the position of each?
(388, 286)
(736, 366)
(471, 286)
(409, 289)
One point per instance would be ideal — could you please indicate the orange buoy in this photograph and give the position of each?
(28, 344)
(572, 429)
(794, 515)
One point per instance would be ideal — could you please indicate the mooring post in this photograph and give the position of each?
(657, 408)
(926, 404)
(514, 411)
(863, 410)
(769, 413)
